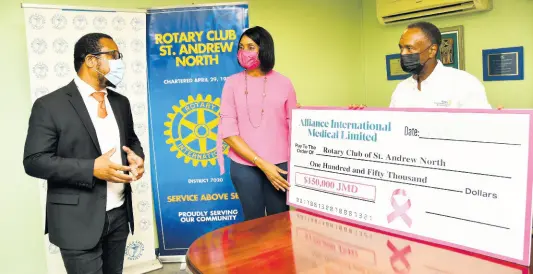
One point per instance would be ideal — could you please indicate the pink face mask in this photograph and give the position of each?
(248, 59)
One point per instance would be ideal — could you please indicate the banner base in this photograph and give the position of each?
(172, 259)
(143, 267)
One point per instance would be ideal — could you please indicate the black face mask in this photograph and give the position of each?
(411, 62)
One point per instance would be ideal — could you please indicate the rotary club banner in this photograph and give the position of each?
(191, 51)
(51, 34)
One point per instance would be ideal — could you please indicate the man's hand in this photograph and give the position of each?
(136, 163)
(106, 170)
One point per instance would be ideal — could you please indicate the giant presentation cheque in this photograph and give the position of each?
(460, 179)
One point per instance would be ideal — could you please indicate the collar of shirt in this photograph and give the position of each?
(85, 89)
(432, 77)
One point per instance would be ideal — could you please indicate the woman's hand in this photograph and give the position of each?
(272, 172)
(354, 106)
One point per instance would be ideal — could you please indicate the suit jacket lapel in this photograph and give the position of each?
(78, 104)
(117, 111)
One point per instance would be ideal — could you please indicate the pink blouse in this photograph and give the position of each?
(240, 115)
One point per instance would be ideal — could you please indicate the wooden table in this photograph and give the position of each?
(300, 242)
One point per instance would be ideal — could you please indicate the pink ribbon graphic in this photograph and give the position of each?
(399, 211)
(399, 255)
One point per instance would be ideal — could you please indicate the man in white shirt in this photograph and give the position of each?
(81, 139)
(433, 85)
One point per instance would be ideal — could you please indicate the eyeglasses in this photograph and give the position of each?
(113, 53)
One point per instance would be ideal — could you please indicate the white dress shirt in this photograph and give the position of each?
(108, 137)
(444, 88)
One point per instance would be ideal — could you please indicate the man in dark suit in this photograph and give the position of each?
(81, 140)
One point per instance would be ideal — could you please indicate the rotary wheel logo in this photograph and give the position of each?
(39, 46)
(41, 91)
(37, 21)
(138, 88)
(134, 250)
(137, 24)
(137, 45)
(80, 22)
(60, 45)
(59, 21)
(119, 23)
(121, 44)
(100, 22)
(53, 249)
(191, 130)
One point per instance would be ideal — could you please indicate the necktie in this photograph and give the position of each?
(100, 97)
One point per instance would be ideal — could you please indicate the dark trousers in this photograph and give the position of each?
(256, 193)
(108, 255)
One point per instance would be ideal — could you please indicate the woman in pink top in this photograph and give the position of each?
(255, 117)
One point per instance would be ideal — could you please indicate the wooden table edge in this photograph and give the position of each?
(190, 265)
(195, 270)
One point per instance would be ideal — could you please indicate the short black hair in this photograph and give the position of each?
(266, 47)
(89, 43)
(431, 31)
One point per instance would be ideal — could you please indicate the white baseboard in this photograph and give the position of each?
(144, 267)
(172, 259)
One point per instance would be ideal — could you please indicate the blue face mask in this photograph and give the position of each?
(116, 71)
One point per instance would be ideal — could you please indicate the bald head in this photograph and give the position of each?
(419, 38)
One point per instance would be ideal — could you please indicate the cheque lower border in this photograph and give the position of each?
(528, 218)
